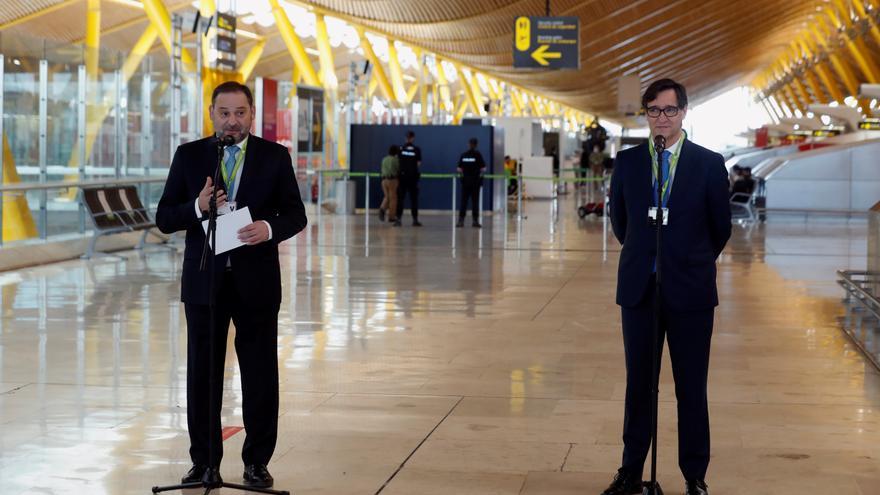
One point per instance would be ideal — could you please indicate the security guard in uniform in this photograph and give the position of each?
(410, 161)
(470, 166)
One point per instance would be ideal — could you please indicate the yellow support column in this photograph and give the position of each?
(872, 22)
(378, 72)
(325, 54)
(396, 73)
(18, 223)
(856, 46)
(478, 94)
(159, 17)
(802, 92)
(250, 61)
(294, 45)
(424, 88)
(444, 86)
(468, 91)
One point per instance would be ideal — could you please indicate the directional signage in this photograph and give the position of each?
(546, 42)
(870, 125)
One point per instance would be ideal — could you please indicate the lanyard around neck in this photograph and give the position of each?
(673, 163)
(229, 178)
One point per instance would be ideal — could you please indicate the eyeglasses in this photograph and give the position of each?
(655, 112)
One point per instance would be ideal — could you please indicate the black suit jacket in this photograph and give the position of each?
(698, 229)
(267, 187)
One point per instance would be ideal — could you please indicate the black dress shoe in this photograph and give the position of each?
(195, 474)
(258, 476)
(696, 487)
(625, 483)
(417, 223)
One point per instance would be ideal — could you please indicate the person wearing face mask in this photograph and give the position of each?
(256, 174)
(696, 226)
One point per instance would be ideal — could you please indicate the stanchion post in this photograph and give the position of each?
(367, 205)
(453, 210)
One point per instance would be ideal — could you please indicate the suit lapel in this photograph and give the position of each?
(684, 173)
(249, 171)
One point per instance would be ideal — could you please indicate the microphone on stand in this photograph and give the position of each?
(227, 140)
(659, 144)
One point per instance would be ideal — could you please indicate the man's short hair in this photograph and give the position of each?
(410, 134)
(661, 85)
(233, 87)
(472, 141)
(394, 150)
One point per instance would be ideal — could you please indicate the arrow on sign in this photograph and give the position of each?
(541, 55)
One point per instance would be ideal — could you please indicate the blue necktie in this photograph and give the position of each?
(230, 166)
(664, 167)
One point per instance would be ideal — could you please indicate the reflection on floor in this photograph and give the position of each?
(418, 363)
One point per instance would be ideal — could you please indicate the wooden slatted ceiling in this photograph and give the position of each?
(700, 42)
(708, 45)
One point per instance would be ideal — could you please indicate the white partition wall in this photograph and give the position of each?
(839, 178)
(541, 168)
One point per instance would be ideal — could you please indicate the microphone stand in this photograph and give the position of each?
(653, 487)
(212, 480)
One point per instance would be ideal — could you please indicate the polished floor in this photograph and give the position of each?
(415, 363)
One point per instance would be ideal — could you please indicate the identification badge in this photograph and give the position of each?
(652, 215)
(229, 207)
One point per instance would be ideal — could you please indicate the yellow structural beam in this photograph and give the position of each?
(378, 72)
(467, 87)
(159, 17)
(801, 91)
(325, 54)
(445, 93)
(93, 38)
(371, 87)
(477, 91)
(459, 114)
(424, 87)
(396, 73)
(872, 22)
(294, 45)
(139, 51)
(207, 8)
(411, 93)
(18, 223)
(517, 102)
(856, 46)
(250, 61)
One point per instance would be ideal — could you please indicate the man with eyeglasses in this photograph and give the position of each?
(694, 193)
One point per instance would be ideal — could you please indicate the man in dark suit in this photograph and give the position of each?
(256, 174)
(698, 227)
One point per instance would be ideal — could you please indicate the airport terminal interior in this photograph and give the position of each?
(439, 354)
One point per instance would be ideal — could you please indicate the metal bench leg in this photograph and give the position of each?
(143, 241)
(90, 251)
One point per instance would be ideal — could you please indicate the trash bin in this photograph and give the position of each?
(346, 192)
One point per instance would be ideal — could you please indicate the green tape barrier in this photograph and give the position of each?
(343, 173)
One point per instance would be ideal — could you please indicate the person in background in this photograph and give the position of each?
(744, 185)
(510, 170)
(410, 163)
(470, 166)
(390, 180)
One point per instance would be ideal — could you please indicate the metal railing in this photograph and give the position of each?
(454, 201)
(69, 214)
(862, 318)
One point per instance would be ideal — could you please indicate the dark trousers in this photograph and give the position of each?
(470, 192)
(689, 335)
(256, 345)
(408, 185)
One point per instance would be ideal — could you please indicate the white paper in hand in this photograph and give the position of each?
(227, 229)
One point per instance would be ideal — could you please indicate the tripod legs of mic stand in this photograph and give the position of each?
(652, 488)
(211, 480)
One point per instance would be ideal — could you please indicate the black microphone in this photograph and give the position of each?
(225, 140)
(659, 144)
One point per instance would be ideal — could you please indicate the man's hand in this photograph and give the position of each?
(205, 195)
(459, 170)
(254, 233)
